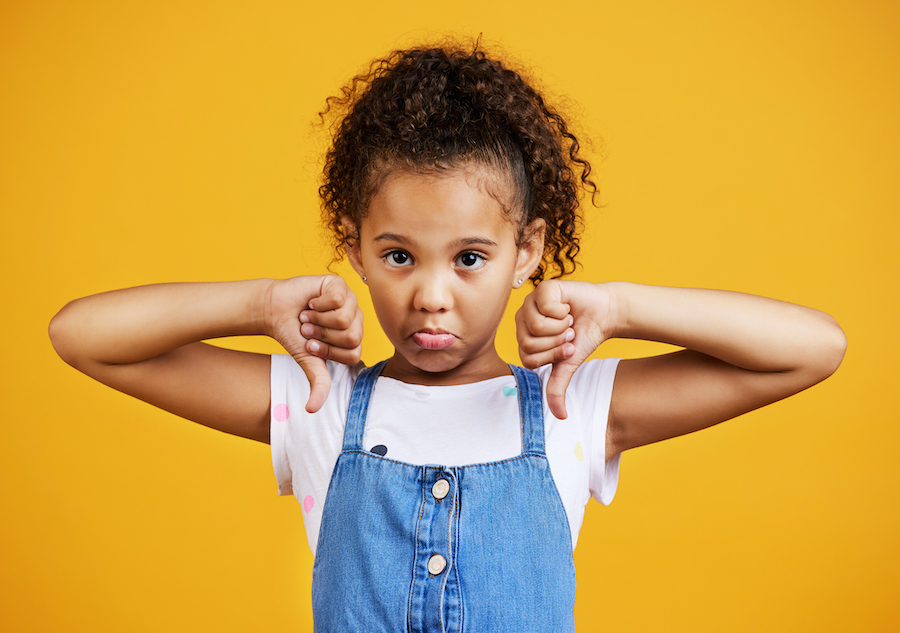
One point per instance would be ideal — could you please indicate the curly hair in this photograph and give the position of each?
(433, 109)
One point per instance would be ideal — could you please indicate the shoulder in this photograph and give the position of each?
(291, 424)
(588, 398)
(285, 369)
(590, 375)
(288, 383)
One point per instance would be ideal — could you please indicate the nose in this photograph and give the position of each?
(433, 292)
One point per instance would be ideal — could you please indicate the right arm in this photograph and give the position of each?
(146, 342)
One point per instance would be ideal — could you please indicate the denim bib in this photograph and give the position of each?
(482, 548)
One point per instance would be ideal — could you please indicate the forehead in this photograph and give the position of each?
(447, 203)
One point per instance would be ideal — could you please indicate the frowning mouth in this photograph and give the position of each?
(433, 339)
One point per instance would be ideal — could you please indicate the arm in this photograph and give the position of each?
(145, 342)
(741, 352)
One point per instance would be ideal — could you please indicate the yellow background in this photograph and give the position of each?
(750, 145)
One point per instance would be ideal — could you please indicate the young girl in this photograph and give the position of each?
(443, 489)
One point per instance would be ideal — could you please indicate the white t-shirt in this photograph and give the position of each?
(449, 426)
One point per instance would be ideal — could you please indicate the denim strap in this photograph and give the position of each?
(531, 410)
(359, 406)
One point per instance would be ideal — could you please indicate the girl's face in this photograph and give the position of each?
(441, 259)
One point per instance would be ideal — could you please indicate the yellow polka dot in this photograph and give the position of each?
(579, 454)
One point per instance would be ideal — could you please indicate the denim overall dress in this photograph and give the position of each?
(482, 548)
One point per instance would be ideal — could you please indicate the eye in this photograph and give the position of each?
(398, 258)
(470, 261)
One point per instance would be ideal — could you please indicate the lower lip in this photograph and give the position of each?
(433, 341)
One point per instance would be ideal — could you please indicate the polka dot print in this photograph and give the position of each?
(280, 412)
(579, 454)
(380, 449)
(308, 503)
(510, 391)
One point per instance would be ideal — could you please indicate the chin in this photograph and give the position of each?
(434, 362)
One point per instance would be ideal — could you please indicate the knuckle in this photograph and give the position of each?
(343, 321)
(545, 327)
(545, 291)
(355, 339)
(544, 304)
(535, 323)
(531, 346)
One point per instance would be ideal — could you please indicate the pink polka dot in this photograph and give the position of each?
(308, 503)
(280, 412)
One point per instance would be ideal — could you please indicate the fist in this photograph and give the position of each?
(562, 323)
(316, 318)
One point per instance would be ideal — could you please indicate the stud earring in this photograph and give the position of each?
(365, 279)
(519, 282)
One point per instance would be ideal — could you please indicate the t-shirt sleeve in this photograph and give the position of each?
(604, 477)
(287, 395)
(588, 400)
(306, 445)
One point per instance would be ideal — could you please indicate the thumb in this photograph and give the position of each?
(560, 376)
(319, 381)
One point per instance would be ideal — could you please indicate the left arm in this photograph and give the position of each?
(741, 352)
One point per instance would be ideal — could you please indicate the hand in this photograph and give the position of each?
(563, 322)
(314, 319)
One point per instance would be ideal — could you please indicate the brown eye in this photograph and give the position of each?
(398, 258)
(469, 260)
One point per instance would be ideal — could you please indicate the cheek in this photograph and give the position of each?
(387, 302)
(489, 306)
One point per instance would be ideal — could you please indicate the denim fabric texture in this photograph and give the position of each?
(499, 527)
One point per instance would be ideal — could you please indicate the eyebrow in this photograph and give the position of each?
(465, 241)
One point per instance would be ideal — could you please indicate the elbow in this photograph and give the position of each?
(61, 337)
(831, 350)
(840, 348)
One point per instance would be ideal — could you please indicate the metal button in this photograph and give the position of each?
(436, 564)
(440, 489)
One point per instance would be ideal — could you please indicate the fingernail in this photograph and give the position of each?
(306, 330)
(304, 318)
(570, 335)
(571, 320)
(313, 346)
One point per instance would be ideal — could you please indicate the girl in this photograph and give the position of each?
(442, 489)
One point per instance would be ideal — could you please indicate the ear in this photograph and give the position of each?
(351, 244)
(530, 252)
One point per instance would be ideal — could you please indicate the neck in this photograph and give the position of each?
(483, 368)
